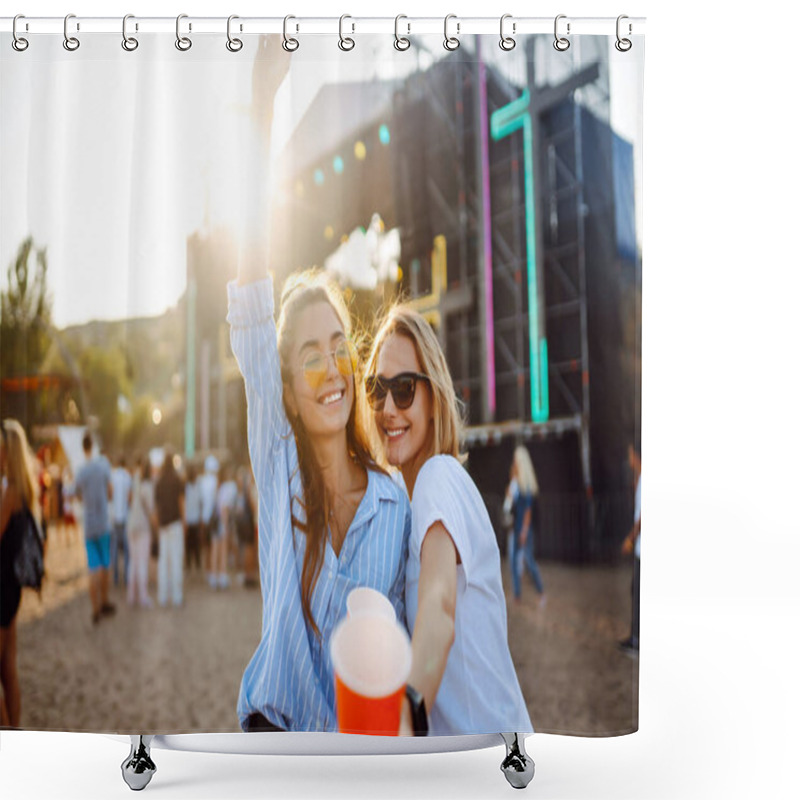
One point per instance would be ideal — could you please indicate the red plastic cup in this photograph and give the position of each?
(371, 657)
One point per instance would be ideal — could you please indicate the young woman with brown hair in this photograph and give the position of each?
(329, 518)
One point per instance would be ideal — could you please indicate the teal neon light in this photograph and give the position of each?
(504, 122)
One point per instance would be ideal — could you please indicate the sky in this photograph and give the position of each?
(111, 159)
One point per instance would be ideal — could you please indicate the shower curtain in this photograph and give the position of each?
(495, 192)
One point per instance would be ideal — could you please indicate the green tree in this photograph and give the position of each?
(105, 375)
(25, 310)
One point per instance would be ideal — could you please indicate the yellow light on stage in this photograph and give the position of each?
(329, 232)
(360, 150)
(156, 416)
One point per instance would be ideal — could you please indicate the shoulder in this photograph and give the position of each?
(438, 471)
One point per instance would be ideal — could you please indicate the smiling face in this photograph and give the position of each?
(406, 434)
(324, 408)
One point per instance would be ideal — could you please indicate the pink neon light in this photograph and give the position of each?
(487, 238)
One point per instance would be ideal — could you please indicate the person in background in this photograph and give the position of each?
(522, 498)
(225, 532)
(169, 497)
(208, 505)
(70, 522)
(94, 489)
(19, 496)
(139, 531)
(632, 544)
(193, 508)
(121, 481)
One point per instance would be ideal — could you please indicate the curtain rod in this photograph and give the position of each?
(407, 25)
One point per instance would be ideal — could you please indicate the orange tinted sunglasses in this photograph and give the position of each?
(315, 363)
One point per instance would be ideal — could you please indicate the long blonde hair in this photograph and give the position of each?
(526, 475)
(19, 465)
(300, 291)
(448, 416)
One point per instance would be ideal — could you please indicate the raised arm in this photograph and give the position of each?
(269, 69)
(251, 305)
(435, 626)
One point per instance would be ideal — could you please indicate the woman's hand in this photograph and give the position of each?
(269, 69)
(406, 723)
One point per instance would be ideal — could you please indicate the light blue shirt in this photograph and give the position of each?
(91, 483)
(290, 677)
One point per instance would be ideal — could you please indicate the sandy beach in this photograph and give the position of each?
(177, 670)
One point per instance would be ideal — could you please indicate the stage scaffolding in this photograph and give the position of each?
(499, 172)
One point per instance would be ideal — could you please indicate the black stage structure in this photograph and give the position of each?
(414, 152)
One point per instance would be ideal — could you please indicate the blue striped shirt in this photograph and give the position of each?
(290, 677)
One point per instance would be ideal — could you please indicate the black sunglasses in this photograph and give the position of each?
(402, 387)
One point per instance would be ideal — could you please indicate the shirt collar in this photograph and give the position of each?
(379, 487)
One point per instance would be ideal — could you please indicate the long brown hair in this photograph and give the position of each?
(300, 291)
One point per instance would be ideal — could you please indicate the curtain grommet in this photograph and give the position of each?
(71, 43)
(183, 43)
(561, 43)
(289, 43)
(401, 43)
(451, 42)
(129, 43)
(234, 45)
(19, 43)
(507, 43)
(623, 44)
(345, 42)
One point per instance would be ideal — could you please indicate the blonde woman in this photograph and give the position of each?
(522, 497)
(462, 673)
(19, 495)
(141, 522)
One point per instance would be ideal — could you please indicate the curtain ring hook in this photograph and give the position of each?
(233, 45)
(623, 45)
(345, 42)
(401, 43)
(183, 43)
(451, 42)
(129, 43)
(18, 42)
(71, 43)
(561, 43)
(290, 44)
(507, 43)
